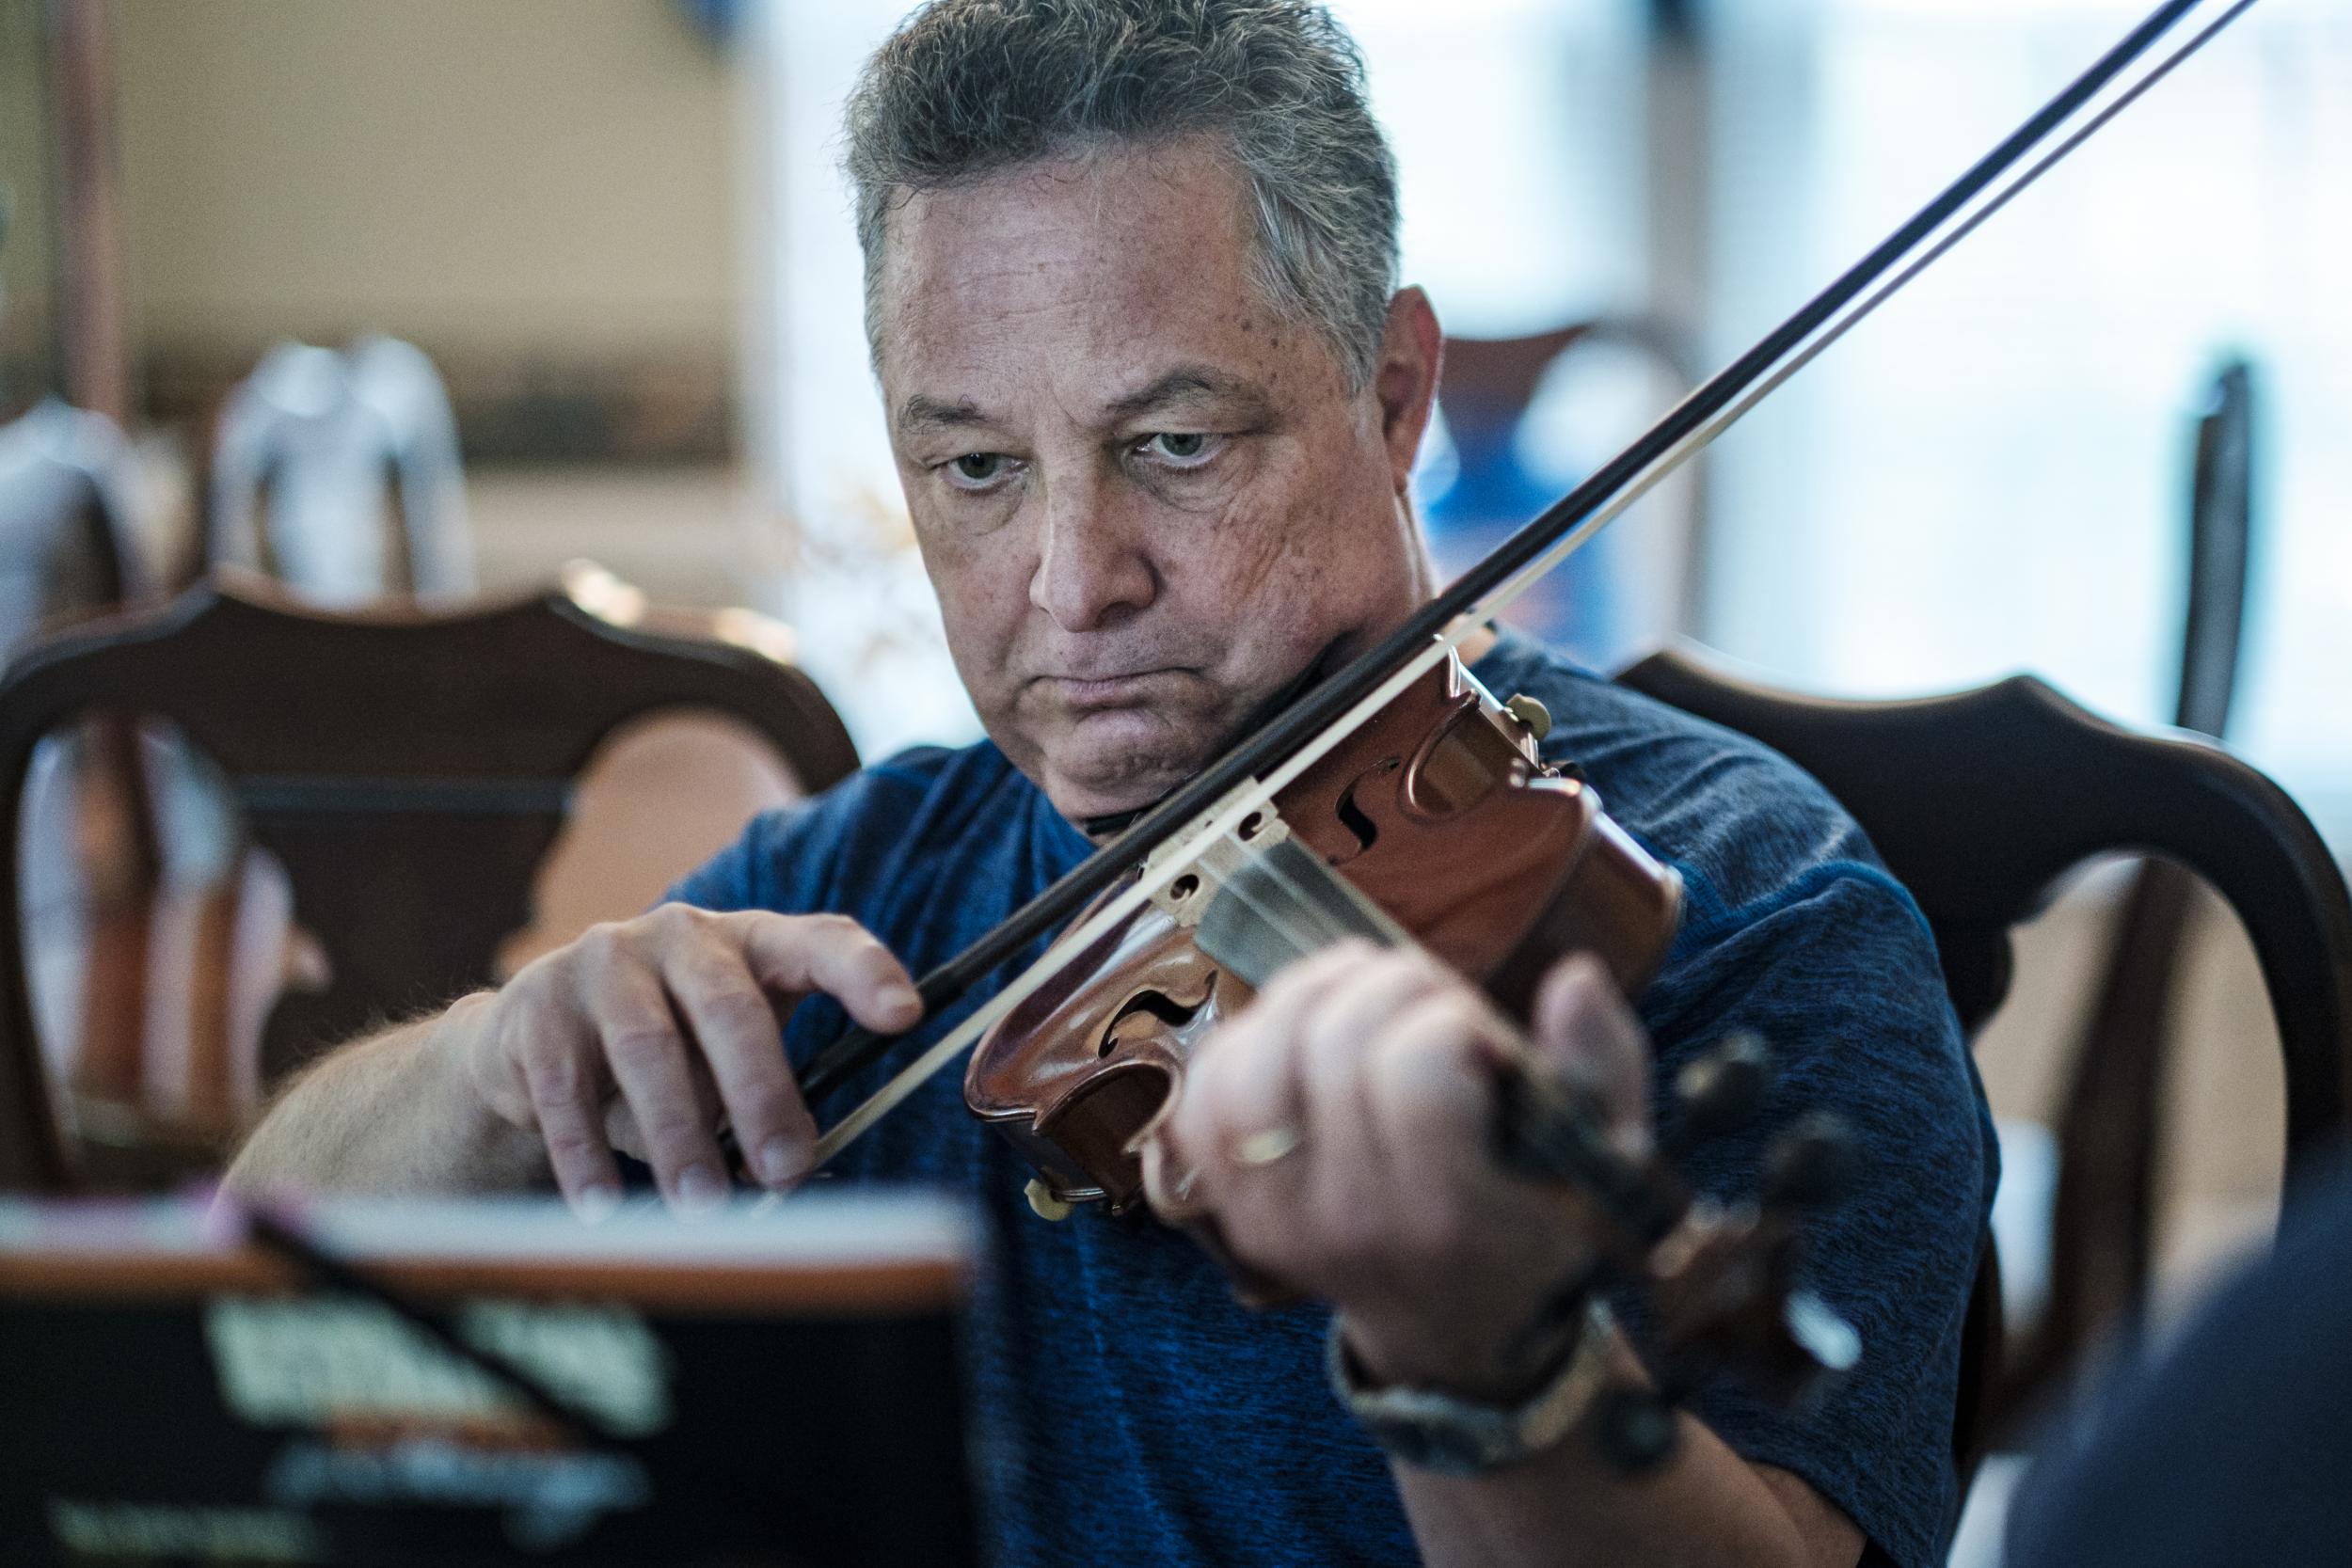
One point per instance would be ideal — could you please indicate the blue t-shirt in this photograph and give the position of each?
(1145, 1417)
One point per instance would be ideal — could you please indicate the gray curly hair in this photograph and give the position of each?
(965, 88)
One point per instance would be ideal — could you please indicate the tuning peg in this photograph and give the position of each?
(1633, 1428)
(1722, 1089)
(1812, 1162)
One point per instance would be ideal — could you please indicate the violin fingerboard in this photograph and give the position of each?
(1281, 904)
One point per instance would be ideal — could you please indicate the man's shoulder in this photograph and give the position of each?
(1793, 930)
(918, 775)
(1736, 818)
(835, 851)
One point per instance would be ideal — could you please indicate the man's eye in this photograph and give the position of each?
(1188, 448)
(977, 468)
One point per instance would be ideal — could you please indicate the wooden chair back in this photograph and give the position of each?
(70, 550)
(1981, 801)
(2103, 1218)
(409, 770)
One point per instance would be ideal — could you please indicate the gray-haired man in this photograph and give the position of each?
(1154, 398)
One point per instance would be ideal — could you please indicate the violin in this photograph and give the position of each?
(1397, 800)
(1437, 823)
(1440, 814)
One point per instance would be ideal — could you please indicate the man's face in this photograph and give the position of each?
(1146, 503)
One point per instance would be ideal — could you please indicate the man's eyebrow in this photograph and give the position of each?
(1186, 386)
(926, 413)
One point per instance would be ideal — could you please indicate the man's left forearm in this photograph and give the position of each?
(1569, 1506)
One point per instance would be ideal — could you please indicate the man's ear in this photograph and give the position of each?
(1405, 380)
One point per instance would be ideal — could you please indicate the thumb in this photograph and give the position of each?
(1586, 1034)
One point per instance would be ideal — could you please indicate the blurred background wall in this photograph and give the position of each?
(540, 194)
(545, 195)
(616, 228)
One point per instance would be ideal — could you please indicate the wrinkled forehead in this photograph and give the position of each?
(1107, 254)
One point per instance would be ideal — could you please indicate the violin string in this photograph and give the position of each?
(1328, 927)
(851, 1051)
(1297, 945)
(1285, 921)
(1346, 910)
(1335, 909)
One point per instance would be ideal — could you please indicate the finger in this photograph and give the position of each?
(1584, 1031)
(648, 1058)
(1351, 1175)
(1428, 1090)
(620, 1122)
(1357, 1005)
(566, 1102)
(795, 955)
(735, 1030)
(1242, 1080)
(1340, 1035)
(1455, 1215)
(1168, 1179)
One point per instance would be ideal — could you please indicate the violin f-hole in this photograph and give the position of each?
(1158, 1005)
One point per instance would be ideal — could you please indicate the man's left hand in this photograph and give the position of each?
(1338, 1132)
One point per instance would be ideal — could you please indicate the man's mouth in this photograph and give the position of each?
(1093, 693)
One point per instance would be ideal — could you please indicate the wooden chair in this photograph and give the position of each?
(2104, 1219)
(1979, 801)
(70, 550)
(335, 474)
(409, 770)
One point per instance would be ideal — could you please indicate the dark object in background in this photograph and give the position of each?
(409, 772)
(1486, 390)
(760, 1390)
(2234, 1446)
(2103, 1222)
(1980, 801)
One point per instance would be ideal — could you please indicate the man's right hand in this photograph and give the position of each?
(648, 1035)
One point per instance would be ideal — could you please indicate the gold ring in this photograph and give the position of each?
(1268, 1145)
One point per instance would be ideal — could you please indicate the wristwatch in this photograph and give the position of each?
(1458, 1438)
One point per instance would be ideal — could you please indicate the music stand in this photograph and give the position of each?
(370, 1383)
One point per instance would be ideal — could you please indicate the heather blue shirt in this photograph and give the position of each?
(1148, 1419)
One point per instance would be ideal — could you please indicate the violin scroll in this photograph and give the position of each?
(1720, 1278)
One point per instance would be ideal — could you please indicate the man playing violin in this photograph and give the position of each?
(1154, 398)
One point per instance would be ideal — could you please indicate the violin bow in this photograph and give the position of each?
(1155, 849)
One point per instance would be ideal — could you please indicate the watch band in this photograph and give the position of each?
(1458, 1438)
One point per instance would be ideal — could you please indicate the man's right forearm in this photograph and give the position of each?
(393, 1113)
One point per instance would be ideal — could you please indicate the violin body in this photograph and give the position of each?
(1441, 813)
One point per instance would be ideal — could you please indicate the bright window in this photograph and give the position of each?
(1991, 474)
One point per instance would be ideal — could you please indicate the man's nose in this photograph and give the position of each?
(1092, 567)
